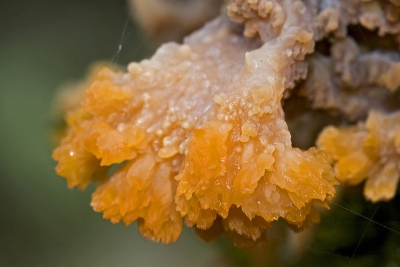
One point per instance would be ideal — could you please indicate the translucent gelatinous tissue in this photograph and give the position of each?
(200, 130)
(368, 151)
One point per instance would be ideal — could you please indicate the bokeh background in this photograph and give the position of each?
(45, 44)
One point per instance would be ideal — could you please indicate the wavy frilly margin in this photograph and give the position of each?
(201, 132)
(368, 152)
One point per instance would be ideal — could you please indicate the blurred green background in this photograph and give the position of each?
(44, 44)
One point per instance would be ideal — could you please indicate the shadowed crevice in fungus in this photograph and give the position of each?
(202, 131)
